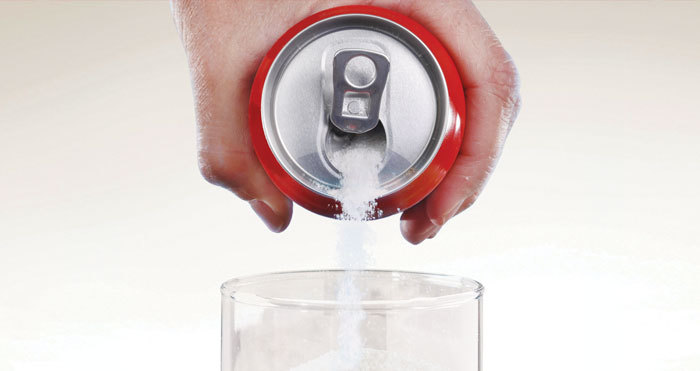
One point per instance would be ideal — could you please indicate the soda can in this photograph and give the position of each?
(357, 72)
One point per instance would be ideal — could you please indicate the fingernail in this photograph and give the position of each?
(432, 235)
(427, 234)
(416, 239)
(432, 232)
(268, 216)
(445, 217)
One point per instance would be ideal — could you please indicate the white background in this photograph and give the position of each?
(112, 247)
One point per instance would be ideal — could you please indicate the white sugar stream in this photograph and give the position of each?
(360, 165)
(357, 194)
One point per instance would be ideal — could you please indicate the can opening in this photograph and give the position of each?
(338, 140)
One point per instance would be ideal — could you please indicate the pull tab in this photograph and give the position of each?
(359, 77)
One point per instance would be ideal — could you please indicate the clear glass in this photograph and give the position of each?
(405, 321)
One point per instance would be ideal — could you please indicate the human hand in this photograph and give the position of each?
(226, 40)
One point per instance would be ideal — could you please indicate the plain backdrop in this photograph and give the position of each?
(112, 247)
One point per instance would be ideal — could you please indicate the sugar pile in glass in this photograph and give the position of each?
(368, 360)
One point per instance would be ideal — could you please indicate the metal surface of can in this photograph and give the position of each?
(357, 72)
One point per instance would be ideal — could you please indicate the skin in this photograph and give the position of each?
(226, 40)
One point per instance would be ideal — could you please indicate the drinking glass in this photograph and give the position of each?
(302, 321)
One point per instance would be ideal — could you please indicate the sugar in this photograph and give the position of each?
(359, 189)
(369, 360)
(352, 255)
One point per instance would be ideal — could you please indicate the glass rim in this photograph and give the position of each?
(469, 290)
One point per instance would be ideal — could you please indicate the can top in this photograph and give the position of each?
(344, 72)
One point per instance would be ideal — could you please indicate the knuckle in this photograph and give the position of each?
(505, 79)
(504, 84)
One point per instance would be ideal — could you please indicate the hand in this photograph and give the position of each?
(226, 40)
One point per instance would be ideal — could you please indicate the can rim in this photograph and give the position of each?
(402, 198)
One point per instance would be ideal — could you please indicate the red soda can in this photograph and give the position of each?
(357, 72)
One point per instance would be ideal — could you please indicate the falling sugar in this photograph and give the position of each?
(359, 189)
